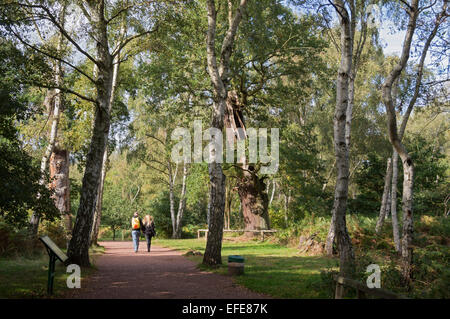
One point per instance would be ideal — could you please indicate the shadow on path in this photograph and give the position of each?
(162, 273)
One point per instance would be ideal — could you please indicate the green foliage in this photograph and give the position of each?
(431, 183)
(160, 210)
(369, 179)
(20, 191)
(116, 212)
(15, 242)
(302, 170)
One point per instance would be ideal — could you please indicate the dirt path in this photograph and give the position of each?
(162, 273)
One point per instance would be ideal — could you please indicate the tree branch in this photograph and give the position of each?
(50, 55)
(63, 31)
(131, 38)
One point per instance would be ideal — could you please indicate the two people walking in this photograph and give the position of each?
(147, 226)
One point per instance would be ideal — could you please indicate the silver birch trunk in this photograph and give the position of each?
(385, 198)
(394, 216)
(219, 78)
(388, 205)
(54, 107)
(338, 227)
(286, 210)
(408, 167)
(78, 250)
(274, 185)
(172, 199)
(182, 203)
(404, 246)
(99, 203)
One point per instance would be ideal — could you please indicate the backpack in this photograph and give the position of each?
(136, 223)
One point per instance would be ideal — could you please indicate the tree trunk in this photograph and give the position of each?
(217, 203)
(286, 217)
(182, 204)
(395, 139)
(53, 103)
(394, 217)
(98, 208)
(219, 78)
(349, 111)
(384, 200)
(274, 185)
(388, 206)
(228, 201)
(251, 189)
(254, 199)
(60, 183)
(172, 200)
(78, 251)
(338, 227)
(99, 204)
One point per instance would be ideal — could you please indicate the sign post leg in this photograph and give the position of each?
(51, 273)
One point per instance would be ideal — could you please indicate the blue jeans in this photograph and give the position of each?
(135, 234)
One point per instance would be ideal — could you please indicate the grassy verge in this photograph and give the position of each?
(269, 268)
(27, 278)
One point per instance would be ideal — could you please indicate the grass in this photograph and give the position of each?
(269, 268)
(22, 277)
(278, 270)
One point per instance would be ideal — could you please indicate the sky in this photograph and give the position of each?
(393, 42)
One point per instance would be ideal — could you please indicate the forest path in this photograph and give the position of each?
(162, 273)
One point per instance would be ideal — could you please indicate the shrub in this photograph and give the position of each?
(56, 231)
(16, 242)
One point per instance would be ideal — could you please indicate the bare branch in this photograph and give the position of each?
(50, 55)
(63, 31)
(131, 38)
(156, 138)
(66, 90)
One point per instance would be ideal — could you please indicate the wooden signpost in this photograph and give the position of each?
(54, 253)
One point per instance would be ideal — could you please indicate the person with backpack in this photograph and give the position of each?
(149, 230)
(136, 226)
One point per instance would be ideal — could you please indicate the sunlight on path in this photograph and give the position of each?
(162, 273)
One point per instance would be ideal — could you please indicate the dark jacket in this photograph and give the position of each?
(149, 229)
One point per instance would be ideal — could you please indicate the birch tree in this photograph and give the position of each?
(392, 167)
(219, 74)
(338, 227)
(53, 103)
(395, 135)
(98, 207)
(351, 48)
(94, 15)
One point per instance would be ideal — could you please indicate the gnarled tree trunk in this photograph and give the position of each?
(60, 183)
(254, 199)
(251, 188)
